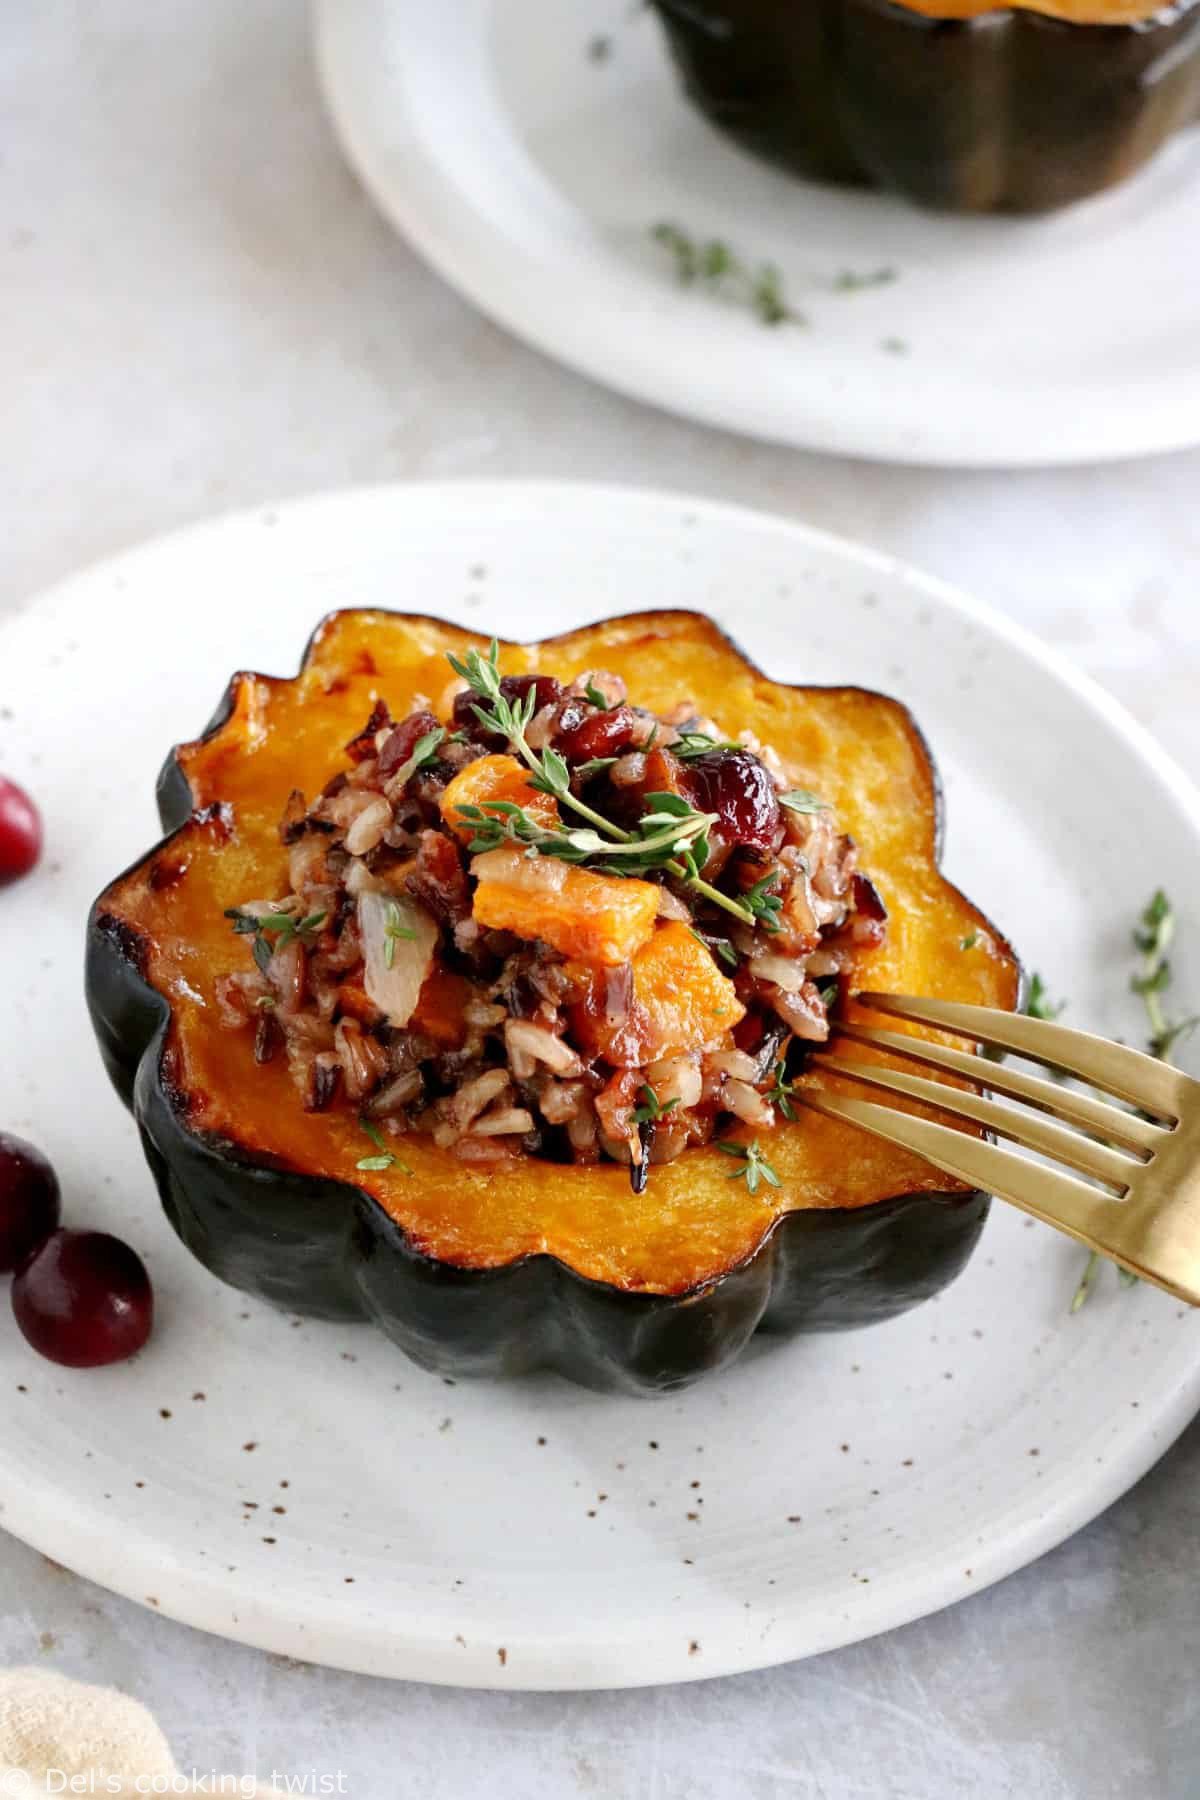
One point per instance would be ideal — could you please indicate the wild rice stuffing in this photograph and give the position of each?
(552, 924)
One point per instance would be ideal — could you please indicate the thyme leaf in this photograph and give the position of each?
(393, 930)
(799, 800)
(690, 744)
(652, 1107)
(711, 263)
(1152, 939)
(755, 1167)
(781, 1090)
(283, 927)
(386, 1159)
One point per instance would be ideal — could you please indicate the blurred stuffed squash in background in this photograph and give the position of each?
(958, 104)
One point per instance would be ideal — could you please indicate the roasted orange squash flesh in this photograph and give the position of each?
(859, 750)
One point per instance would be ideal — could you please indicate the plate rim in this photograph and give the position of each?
(56, 1522)
(572, 336)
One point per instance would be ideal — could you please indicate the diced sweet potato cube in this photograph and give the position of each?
(494, 778)
(687, 1001)
(598, 918)
(678, 1001)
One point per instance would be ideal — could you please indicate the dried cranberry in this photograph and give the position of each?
(593, 733)
(734, 785)
(84, 1299)
(28, 1201)
(546, 690)
(439, 880)
(20, 832)
(404, 740)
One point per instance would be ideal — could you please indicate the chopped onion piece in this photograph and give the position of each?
(505, 1121)
(786, 972)
(396, 965)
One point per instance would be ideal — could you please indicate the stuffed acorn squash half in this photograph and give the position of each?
(968, 105)
(474, 987)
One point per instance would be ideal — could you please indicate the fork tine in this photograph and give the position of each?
(1054, 1198)
(1131, 1074)
(1031, 1129)
(1097, 1116)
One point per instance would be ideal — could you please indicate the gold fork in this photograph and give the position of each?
(1141, 1202)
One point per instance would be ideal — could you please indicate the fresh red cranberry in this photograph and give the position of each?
(734, 785)
(584, 731)
(404, 740)
(20, 832)
(29, 1203)
(547, 692)
(84, 1299)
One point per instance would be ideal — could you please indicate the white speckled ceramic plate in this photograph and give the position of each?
(301, 1486)
(528, 169)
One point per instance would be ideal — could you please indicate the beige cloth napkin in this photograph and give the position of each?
(59, 1736)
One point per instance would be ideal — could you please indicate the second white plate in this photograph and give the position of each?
(529, 170)
(302, 1487)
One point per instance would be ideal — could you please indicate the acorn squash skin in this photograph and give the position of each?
(1007, 111)
(325, 1248)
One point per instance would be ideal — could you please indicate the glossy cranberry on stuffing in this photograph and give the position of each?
(20, 832)
(404, 740)
(84, 1300)
(547, 692)
(735, 786)
(29, 1201)
(584, 732)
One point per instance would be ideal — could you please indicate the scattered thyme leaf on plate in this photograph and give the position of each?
(1152, 939)
(713, 263)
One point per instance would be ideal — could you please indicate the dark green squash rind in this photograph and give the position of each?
(1007, 112)
(327, 1250)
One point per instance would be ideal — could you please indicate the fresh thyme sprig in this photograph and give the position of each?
(755, 1166)
(283, 927)
(764, 904)
(592, 694)
(386, 1159)
(853, 281)
(1152, 938)
(712, 262)
(720, 947)
(549, 772)
(781, 1090)
(652, 1107)
(670, 830)
(681, 833)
